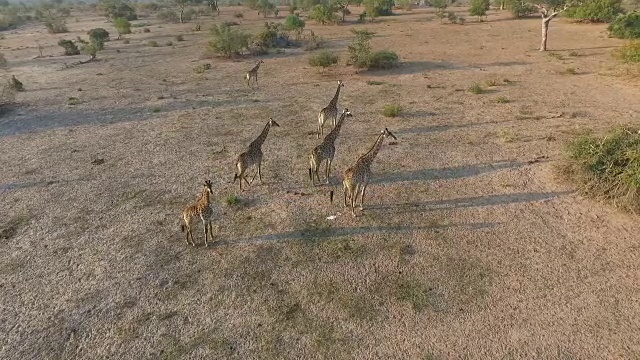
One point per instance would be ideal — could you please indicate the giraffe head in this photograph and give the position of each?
(260, 62)
(340, 83)
(347, 113)
(273, 123)
(207, 186)
(385, 133)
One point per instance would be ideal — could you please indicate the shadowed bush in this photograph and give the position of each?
(607, 168)
(626, 26)
(595, 10)
(70, 48)
(323, 59)
(629, 53)
(393, 110)
(227, 41)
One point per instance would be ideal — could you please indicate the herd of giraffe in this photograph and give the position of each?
(355, 178)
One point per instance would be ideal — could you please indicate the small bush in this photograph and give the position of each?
(384, 59)
(72, 101)
(202, 68)
(476, 89)
(393, 110)
(570, 71)
(595, 10)
(478, 8)
(56, 26)
(629, 53)
(294, 23)
(15, 84)
(574, 53)
(608, 167)
(169, 43)
(126, 41)
(227, 41)
(122, 25)
(152, 43)
(325, 13)
(360, 48)
(502, 100)
(313, 42)
(323, 59)
(70, 48)
(372, 82)
(168, 16)
(3, 61)
(520, 8)
(179, 38)
(626, 26)
(98, 36)
(233, 200)
(238, 15)
(146, 30)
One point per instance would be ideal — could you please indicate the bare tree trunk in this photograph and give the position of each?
(181, 14)
(545, 31)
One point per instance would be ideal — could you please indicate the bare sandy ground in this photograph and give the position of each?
(469, 246)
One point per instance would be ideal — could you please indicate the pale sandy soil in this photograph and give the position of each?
(468, 248)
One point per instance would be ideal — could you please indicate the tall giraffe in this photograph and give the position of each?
(356, 177)
(326, 150)
(253, 156)
(330, 111)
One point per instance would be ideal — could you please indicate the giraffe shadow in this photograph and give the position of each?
(415, 67)
(319, 234)
(456, 172)
(469, 202)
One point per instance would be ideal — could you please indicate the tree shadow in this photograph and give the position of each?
(414, 67)
(457, 172)
(25, 185)
(324, 233)
(503, 64)
(470, 202)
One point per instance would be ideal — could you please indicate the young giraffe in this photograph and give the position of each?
(253, 156)
(201, 208)
(326, 150)
(356, 177)
(330, 111)
(253, 74)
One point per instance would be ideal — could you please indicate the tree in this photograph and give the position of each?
(98, 36)
(213, 5)
(113, 9)
(227, 41)
(294, 23)
(548, 12)
(324, 13)
(123, 26)
(265, 7)
(596, 10)
(478, 8)
(519, 8)
(69, 46)
(375, 8)
(626, 26)
(439, 5)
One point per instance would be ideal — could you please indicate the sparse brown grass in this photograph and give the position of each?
(463, 238)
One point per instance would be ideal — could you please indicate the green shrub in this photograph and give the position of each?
(202, 68)
(626, 26)
(294, 23)
(406, 5)
(179, 38)
(146, 30)
(233, 200)
(323, 59)
(452, 17)
(169, 43)
(439, 5)
(630, 52)
(114, 9)
(98, 36)
(384, 59)
(520, 8)
(152, 43)
(476, 89)
(313, 42)
(595, 10)
(92, 49)
(375, 8)
(227, 41)
(478, 8)
(70, 48)
(502, 100)
(608, 167)
(238, 15)
(393, 110)
(15, 84)
(122, 25)
(324, 13)
(126, 41)
(360, 48)
(56, 26)
(168, 16)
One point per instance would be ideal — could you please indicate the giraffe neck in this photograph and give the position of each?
(368, 158)
(263, 135)
(205, 198)
(334, 101)
(333, 134)
(255, 68)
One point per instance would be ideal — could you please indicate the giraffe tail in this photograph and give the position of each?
(235, 176)
(182, 228)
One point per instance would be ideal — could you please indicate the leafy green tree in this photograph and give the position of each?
(626, 26)
(294, 23)
(439, 5)
(519, 8)
(114, 9)
(324, 13)
(265, 7)
(478, 8)
(98, 36)
(596, 10)
(375, 8)
(123, 26)
(227, 41)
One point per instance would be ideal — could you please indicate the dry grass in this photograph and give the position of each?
(468, 246)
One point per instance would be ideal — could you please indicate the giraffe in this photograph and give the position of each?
(253, 156)
(356, 177)
(253, 73)
(326, 150)
(201, 208)
(330, 111)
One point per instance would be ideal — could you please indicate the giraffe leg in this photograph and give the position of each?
(329, 161)
(191, 237)
(206, 231)
(260, 171)
(188, 228)
(210, 231)
(354, 197)
(257, 80)
(364, 188)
